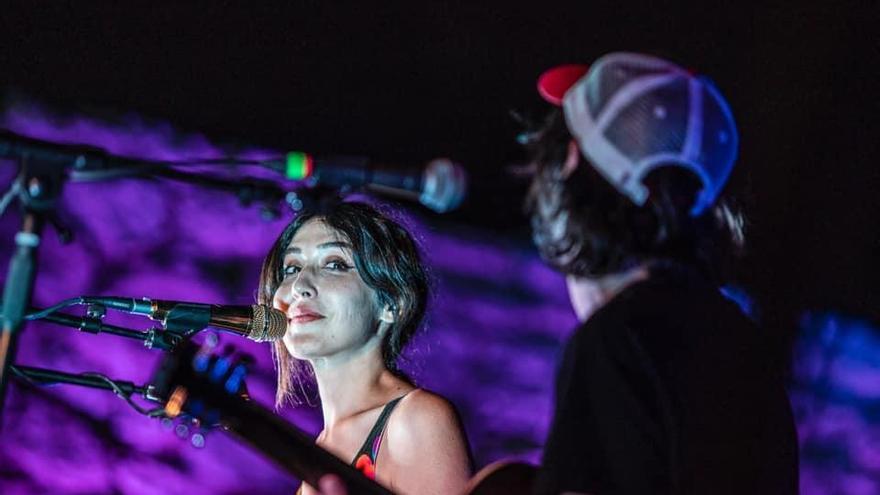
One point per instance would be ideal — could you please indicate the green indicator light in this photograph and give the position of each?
(298, 165)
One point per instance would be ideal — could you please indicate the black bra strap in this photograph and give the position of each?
(377, 432)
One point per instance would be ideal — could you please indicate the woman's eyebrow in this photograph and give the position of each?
(323, 245)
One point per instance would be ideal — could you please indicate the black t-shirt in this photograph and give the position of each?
(669, 389)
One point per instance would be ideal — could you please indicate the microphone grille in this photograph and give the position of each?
(269, 324)
(444, 185)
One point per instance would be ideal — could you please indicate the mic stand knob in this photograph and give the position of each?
(151, 394)
(96, 311)
(165, 340)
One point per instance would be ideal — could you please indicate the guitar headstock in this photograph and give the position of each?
(210, 386)
(197, 381)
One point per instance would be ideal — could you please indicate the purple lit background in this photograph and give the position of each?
(485, 345)
(490, 344)
(405, 83)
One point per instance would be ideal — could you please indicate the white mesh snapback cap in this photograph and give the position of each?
(631, 113)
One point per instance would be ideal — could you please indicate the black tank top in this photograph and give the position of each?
(365, 458)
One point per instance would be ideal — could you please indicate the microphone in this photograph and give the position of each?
(257, 322)
(78, 156)
(440, 185)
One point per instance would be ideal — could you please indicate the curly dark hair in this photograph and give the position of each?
(583, 226)
(387, 258)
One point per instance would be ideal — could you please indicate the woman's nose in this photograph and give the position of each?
(303, 286)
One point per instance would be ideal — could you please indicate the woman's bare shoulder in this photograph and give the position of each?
(426, 445)
(423, 420)
(423, 405)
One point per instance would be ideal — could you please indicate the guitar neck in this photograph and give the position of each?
(183, 388)
(187, 381)
(290, 448)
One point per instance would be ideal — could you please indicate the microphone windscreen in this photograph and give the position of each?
(444, 185)
(269, 324)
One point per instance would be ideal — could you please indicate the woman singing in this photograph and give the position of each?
(351, 283)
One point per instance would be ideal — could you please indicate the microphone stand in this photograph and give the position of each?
(153, 338)
(43, 168)
(40, 182)
(121, 388)
(43, 376)
(248, 192)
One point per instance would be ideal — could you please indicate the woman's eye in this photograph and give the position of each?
(291, 270)
(337, 265)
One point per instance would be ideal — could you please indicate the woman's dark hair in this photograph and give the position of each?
(583, 226)
(387, 259)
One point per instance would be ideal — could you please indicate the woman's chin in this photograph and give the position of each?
(303, 346)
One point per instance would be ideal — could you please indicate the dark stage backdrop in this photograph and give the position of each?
(408, 82)
(493, 334)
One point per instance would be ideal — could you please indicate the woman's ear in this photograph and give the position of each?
(388, 314)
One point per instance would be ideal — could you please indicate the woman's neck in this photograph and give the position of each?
(587, 295)
(350, 384)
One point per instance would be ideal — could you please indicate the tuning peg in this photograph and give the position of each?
(197, 440)
(181, 430)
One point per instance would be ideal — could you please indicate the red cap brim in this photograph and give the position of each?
(553, 83)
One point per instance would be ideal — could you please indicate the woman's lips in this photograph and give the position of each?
(305, 318)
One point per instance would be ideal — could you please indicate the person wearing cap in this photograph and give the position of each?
(666, 387)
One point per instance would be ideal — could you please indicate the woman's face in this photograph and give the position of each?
(330, 311)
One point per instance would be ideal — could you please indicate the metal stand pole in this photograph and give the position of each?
(41, 183)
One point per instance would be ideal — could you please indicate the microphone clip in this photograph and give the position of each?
(165, 340)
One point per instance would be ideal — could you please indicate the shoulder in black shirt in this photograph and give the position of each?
(668, 389)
